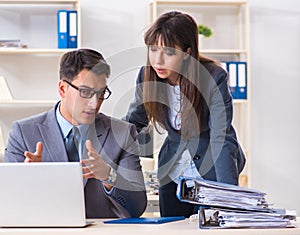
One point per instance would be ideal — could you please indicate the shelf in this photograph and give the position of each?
(33, 51)
(197, 2)
(235, 101)
(60, 51)
(26, 103)
(222, 51)
(38, 1)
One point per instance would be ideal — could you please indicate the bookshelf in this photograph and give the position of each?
(31, 73)
(229, 20)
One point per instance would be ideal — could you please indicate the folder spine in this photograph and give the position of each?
(62, 29)
(72, 32)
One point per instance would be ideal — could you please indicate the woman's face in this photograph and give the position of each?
(166, 61)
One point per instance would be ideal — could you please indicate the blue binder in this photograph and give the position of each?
(72, 32)
(237, 72)
(62, 28)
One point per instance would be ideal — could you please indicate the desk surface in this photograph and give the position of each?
(183, 227)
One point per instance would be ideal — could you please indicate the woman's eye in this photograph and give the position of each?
(169, 51)
(153, 48)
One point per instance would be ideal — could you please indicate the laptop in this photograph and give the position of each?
(47, 194)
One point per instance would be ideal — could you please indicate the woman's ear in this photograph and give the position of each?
(187, 53)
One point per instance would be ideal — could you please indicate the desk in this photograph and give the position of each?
(183, 227)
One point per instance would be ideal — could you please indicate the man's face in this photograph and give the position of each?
(76, 109)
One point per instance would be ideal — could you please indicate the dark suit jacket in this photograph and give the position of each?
(216, 151)
(119, 148)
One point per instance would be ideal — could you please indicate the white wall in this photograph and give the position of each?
(275, 109)
(116, 25)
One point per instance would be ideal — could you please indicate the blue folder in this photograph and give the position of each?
(72, 32)
(62, 28)
(154, 220)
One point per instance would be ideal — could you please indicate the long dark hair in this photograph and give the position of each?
(180, 29)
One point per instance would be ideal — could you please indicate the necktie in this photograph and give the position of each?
(71, 147)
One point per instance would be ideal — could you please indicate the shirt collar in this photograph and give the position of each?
(66, 126)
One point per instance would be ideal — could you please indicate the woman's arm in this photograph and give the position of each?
(227, 154)
(136, 113)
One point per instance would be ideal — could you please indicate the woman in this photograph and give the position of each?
(186, 94)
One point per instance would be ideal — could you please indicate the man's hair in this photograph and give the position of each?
(73, 62)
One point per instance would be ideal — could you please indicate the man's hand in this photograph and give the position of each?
(34, 157)
(94, 166)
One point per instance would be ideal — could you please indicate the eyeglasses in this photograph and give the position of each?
(102, 94)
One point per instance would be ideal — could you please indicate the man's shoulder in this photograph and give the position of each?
(34, 118)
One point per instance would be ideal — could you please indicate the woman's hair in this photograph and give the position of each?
(175, 29)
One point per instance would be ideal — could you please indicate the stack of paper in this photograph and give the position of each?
(222, 218)
(229, 206)
(10, 43)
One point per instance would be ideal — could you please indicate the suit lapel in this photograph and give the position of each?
(97, 133)
(54, 146)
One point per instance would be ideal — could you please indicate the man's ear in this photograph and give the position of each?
(62, 86)
(187, 53)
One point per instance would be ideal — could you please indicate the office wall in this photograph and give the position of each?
(275, 92)
(115, 27)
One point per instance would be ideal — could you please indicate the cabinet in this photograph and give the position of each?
(31, 73)
(229, 21)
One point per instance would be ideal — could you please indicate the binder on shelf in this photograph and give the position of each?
(5, 94)
(72, 32)
(62, 28)
(237, 72)
(67, 28)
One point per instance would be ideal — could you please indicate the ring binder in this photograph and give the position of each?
(228, 206)
(62, 29)
(72, 32)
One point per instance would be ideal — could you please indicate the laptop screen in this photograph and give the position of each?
(47, 194)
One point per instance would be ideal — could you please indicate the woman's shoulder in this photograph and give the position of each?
(214, 69)
(212, 66)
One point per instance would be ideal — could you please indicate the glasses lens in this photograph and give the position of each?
(86, 93)
(102, 94)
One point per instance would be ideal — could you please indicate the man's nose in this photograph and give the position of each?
(93, 101)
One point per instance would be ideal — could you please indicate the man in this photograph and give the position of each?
(103, 144)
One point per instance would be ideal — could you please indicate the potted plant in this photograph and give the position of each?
(204, 30)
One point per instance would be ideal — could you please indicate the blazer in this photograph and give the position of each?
(119, 148)
(216, 151)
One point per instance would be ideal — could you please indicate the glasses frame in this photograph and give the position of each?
(93, 92)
